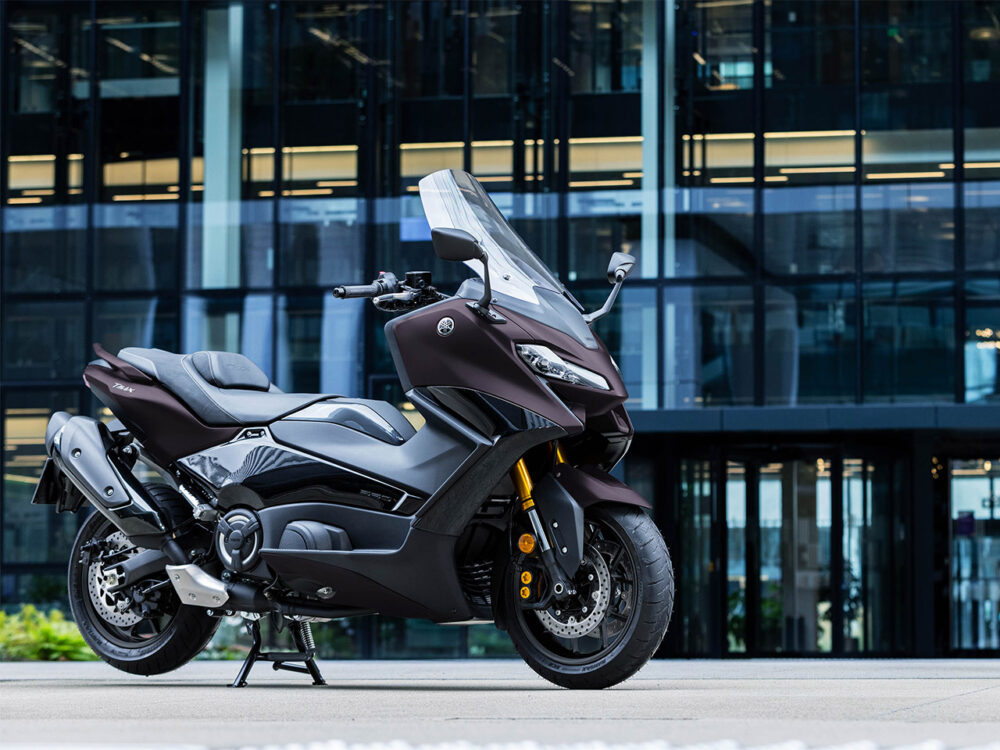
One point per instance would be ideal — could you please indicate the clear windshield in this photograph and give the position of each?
(454, 199)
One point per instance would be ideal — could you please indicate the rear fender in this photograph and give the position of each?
(564, 495)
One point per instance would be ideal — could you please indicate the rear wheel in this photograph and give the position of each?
(144, 629)
(615, 622)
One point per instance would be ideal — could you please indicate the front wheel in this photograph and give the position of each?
(615, 622)
(144, 630)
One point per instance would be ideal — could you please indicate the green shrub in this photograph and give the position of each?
(31, 635)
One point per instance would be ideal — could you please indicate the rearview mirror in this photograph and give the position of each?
(621, 265)
(455, 244)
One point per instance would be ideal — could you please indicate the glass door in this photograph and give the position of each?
(795, 521)
(807, 553)
(694, 566)
(736, 557)
(875, 594)
(975, 541)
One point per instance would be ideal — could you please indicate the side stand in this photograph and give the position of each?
(303, 639)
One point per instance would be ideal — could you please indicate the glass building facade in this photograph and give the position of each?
(811, 189)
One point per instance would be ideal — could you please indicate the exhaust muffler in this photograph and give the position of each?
(81, 448)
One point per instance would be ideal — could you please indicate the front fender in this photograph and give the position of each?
(590, 485)
(562, 497)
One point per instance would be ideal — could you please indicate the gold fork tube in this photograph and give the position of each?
(522, 483)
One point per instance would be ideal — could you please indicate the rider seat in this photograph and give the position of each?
(221, 388)
(225, 388)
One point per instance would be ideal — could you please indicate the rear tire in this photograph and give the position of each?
(639, 610)
(139, 645)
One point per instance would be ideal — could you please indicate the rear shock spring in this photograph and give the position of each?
(307, 637)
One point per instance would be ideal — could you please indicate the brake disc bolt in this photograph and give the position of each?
(584, 610)
(590, 576)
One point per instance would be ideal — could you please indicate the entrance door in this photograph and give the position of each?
(975, 541)
(801, 552)
(795, 519)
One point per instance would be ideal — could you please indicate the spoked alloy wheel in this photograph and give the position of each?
(614, 623)
(150, 639)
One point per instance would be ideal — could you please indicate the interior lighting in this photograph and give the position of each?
(810, 134)
(312, 149)
(307, 191)
(428, 146)
(31, 157)
(607, 139)
(816, 170)
(600, 183)
(725, 137)
(730, 180)
(903, 175)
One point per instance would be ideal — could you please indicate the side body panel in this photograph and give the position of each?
(420, 465)
(164, 426)
(256, 472)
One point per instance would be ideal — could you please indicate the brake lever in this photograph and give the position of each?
(396, 300)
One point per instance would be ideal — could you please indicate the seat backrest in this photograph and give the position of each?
(230, 370)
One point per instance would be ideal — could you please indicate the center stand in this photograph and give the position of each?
(302, 638)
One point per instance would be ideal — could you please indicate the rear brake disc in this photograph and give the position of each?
(107, 603)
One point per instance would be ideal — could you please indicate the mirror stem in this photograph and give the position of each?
(608, 303)
(483, 305)
(487, 288)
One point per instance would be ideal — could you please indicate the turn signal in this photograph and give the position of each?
(526, 576)
(526, 544)
(525, 592)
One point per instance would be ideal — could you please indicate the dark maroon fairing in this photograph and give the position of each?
(174, 431)
(481, 356)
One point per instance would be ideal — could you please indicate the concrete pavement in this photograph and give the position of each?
(759, 702)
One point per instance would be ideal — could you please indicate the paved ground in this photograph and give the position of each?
(760, 702)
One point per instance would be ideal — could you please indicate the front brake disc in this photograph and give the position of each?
(567, 625)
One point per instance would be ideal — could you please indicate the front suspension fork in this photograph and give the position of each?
(562, 586)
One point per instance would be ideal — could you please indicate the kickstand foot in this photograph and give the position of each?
(302, 638)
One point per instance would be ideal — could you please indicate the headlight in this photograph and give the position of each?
(546, 362)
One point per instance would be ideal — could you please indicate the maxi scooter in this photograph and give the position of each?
(308, 507)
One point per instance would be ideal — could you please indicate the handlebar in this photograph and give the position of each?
(357, 290)
(391, 295)
(385, 284)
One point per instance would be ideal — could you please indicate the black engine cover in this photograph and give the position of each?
(238, 540)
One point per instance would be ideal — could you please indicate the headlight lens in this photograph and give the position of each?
(546, 362)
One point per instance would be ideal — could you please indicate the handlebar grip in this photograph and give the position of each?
(357, 290)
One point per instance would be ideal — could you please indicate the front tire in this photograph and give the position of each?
(168, 637)
(624, 546)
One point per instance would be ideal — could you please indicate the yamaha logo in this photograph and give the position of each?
(446, 326)
(120, 387)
